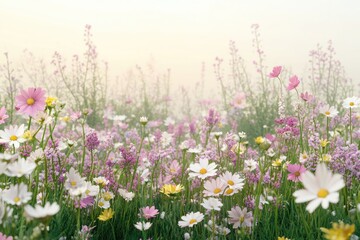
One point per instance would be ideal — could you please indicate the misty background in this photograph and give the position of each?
(184, 36)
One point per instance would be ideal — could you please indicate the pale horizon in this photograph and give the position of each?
(182, 35)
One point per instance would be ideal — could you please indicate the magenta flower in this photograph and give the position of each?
(85, 202)
(149, 212)
(275, 72)
(293, 83)
(3, 115)
(296, 171)
(31, 101)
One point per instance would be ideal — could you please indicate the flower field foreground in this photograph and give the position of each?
(132, 177)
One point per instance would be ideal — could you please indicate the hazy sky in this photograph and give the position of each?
(182, 34)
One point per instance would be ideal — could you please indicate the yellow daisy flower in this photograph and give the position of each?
(170, 189)
(106, 214)
(339, 231)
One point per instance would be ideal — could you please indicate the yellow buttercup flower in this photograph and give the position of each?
(170, 189)
(277, 163)
(283, 238)
(27, 135)
(65, 119)
(50, 101)
(339, 231)
(106, 214)
(324, 142)
(259, 140)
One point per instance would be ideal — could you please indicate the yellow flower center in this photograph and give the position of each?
(203, 171)
(217, 190)
(352, 104)
(101, 204)
(73, 183)
(322, 193)
(172, 170)
(326, 158)
(192, 221)
(13, 138)
(30, 101)
(87, 191)
(230, 182)
(241, 219)
(16, 199)
(327, 113)
(107, 196)
(297, 174)
(229, 191)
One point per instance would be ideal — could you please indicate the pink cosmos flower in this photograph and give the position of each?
(4, 237)
(31, 101)
(3, 115)
(275, 72)
(85, 202)
(240, 217)
(306, 96)
(239, 101)
(174, 168)
(296, 170)
(293, 83)
(270, 137)
(149, 212)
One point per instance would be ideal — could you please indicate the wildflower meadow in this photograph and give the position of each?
(276, 156)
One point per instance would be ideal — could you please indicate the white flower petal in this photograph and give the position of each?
(310, 182)
(303, 196)
(313, 205)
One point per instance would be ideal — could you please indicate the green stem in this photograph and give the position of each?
(350, 128)
(84, 148)
(29, 124)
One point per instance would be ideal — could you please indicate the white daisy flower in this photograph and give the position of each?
(143, 226)
(303, 157)
(214, 187)
(42, 118)
(329, 112)
(191, 219)
(202, 169)
(250, 165)
(41, 212)
(91, 190)
(20, 168)
(107, 195)
(16, 194)
(74, 183)
(101, 181)
(321, 188)
(143, 120)
(233, 181)
(8, 157)
(103, 204)
(128, 196)
(13, 135)
(351, 102)
(195, 150)
(212, 204)
(36, 156)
